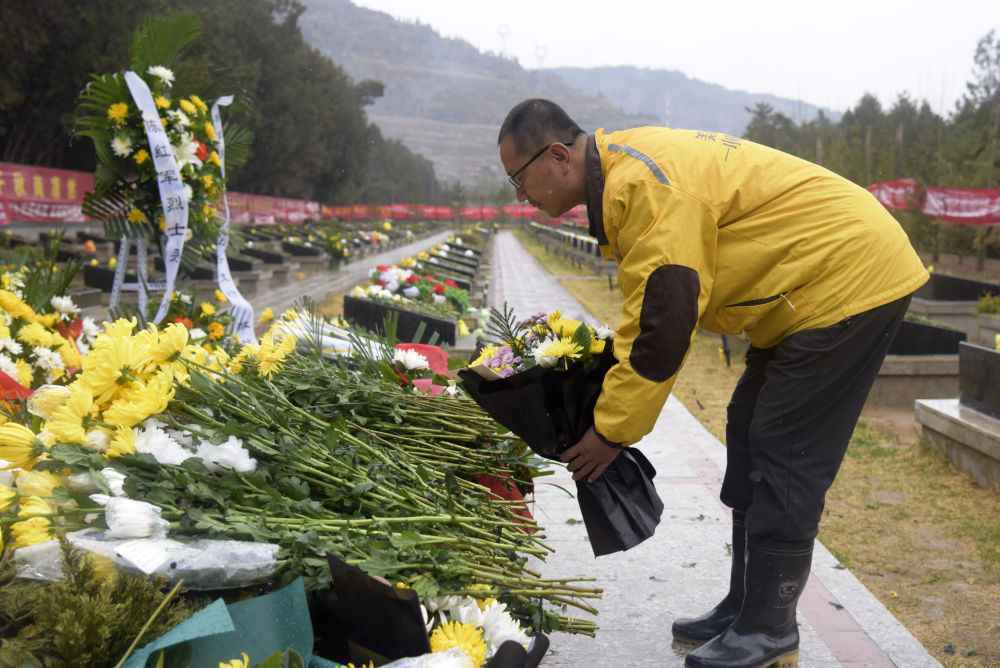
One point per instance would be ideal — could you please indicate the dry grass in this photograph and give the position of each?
(922, 537)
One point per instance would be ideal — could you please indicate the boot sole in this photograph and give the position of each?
(790, 660)
(688, 640)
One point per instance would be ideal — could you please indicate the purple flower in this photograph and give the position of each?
(506, 372)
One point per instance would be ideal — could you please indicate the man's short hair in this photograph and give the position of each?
(536, 122)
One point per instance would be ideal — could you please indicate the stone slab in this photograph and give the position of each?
(970, 439)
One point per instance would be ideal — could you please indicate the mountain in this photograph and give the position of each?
(680, 101)
(443, 97)
(446, 99)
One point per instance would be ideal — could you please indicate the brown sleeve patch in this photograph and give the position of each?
(668, 317)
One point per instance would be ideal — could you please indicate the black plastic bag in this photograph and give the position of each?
(362, 619)
(552, 410)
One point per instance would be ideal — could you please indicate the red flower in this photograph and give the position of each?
(382, 267)
(450, 283)
(201, 151)
(380, 282)
(70, 330)
(413, 279)
(184, 321)
(430, 277)
(438, 289)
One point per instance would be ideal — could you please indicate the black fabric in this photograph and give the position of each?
(360, 618)
(552, 410)
(595, 192)
(668, 317)
(791, 418)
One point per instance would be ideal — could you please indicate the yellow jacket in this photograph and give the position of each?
(720, 232)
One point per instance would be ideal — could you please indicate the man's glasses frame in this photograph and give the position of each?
(512, 178)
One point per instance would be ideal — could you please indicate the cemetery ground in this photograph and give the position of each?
(924, 538)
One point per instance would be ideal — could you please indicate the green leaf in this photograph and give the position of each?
(287, 659)
(381, 563)
(405, 540)
(162, 39)
(75, 455)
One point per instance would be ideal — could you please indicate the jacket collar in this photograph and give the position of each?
(595, 192)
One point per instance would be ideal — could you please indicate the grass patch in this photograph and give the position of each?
(924, 538)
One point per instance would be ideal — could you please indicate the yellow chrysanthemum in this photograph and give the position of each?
(68, 422)
(463, 329)
(187, 107)
(68, 352)
(214, 158)
(560, 348)
(13, 305)
(564, 327)
(273, 353)
(122, 443)
(207, 309)
(142, 400)
(198, 102)
(25, 374)
(7, 496)
(466, 637)
(243, 662)
(216, 331)
(162, 102)
(170, 343)
(117, 113)
(141, 156)
(94, 262)
(220, 296)
(18, 445)
(120, 327)
(135, 216)
(112, 263)
(34, 506)
(208, 211)
(114, 362)
(290, 315)
(266, 316)
(247, 352)
(210, 131)
(31, 532)
(597, 346)
(37, 483)
(554, 316)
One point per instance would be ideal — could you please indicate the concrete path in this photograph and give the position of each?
(684, 569)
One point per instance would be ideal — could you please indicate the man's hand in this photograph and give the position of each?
(590, 457)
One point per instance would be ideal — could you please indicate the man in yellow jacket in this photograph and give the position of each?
(717, 232)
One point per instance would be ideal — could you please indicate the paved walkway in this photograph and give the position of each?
(684, 568)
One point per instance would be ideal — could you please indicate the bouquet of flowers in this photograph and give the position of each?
(542, 380)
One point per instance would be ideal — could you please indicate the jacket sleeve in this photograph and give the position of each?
(666, 240)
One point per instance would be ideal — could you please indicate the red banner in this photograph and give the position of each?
(41, 194)
(972, 206)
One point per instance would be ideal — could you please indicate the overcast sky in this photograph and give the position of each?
(826, 53)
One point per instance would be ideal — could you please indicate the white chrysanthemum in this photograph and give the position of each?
(445, 247)
(410, 359)
(47, 359)
(164, 74)
(188, 193)
(121, 146)
(439, 299)
(228, 455)
(185, 298)
(186, 152)
(197, 334)
(179, 118)
(89, 328)
(467, 613)
(411, 292)
(539, 353)
(7, 366)
(443, 603)
(604, 332)
(98, 439)
(452, 389)
(392, 286)
(153, 440)
(469, 253)
(115, 480)
(11, 346)
(128, 518)
(499, 626)
(358, 292)
(65, 306)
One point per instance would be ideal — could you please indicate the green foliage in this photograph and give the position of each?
(85, 619)
(989, 304)
(298, 122)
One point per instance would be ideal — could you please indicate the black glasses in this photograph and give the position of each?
(512, 178)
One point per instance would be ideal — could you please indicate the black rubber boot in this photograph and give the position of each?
(765, 633)
(697, 630)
